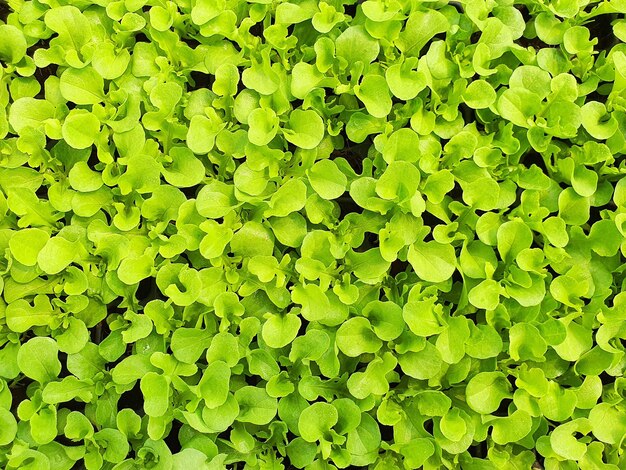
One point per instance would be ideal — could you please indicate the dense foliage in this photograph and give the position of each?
(301, 234)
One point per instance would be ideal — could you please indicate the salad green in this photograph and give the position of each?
(271, 234)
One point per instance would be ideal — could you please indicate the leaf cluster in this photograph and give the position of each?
(298, 234)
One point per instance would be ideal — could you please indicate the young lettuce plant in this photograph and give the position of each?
(338, 234)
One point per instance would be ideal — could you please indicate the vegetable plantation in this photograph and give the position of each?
(301, 234)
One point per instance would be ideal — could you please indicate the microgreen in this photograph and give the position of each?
(258, 234)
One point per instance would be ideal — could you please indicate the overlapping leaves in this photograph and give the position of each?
(312, 234)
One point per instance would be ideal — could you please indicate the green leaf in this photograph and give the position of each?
(249, 181)
(109, 62)
(114, 442)
(20, 316)
(386, 319)
(451, 341)
(306, 129)
(423, 364)
(255, 405)
(74, 338)
(423, 317)
(402, 145)
(607, 423)
(204, 11)
(306, 77)
(131, 369)
(325, 19)
(327, 179)
(316, 421)
(356, 337)
(253, 239)
(526, 343)
(84, 179)
(13, 47)
(9, 368)
(511, 428)
(8, 427)
(399, 181)
(311, 346)
(220, 418)
(363, 443)
(80, 129)
(558, 403)
(188, 344)
(214, 384)
(70, 24)
(479, 94)
(38, 359)
(432, 261)
(68, 389)
(263, 124)
(179, 283)
(156, 392)
(513, 237)
(260, 76)
(573, 209)
(486, 390)
(184, 170)
(30, 112)
(485, 295)
(215, 241)
(578, 340)
(452, 425)
(368, 266)
(598, 121)
(374, 93)
(201, 134)
(420, 28)
(356, 45)
(565, 444)
(519, 105)
(584, 181)
(484, 342)
(26, 244)
(280, 330)
(142, 175)
(404, 82)
(360, 125)
(531, 78)
(82, 86)
(290, 197)
(576, 40)
(373, 380)
(215, 200)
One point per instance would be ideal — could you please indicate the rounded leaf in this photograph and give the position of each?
(432, 261)
(486, 390)
(26, 244)
(8, 427)
(374, 93)
(479, 94)
(597, 121)
(306, 129)
(255, 405)
(278, 331)
(13, 45)
(356, 337)
(82, 86)
(327, 179)
(316, 421)
(38, 359)
(263, 124)
(80, 129)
